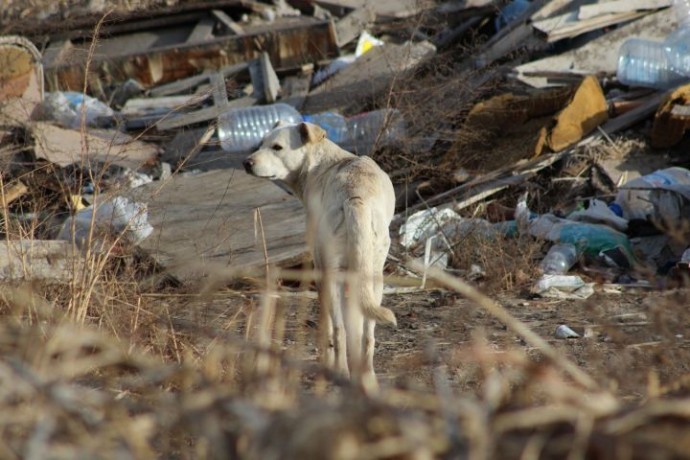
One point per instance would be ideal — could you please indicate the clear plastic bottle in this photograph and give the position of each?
(560, 258)
(333, 123)
(647, 63)
(360, 133)
(242, 130)
(379, 127)
(660, 65)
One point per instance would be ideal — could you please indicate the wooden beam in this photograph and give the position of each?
(205, 223)
(264, 79)
(203, 31)
(185, 145)
(349, 27)
(227, 22)
(620, 6)
(188, 83)
(200, 116)
(219, 90)
(288, 47)
(295, 89)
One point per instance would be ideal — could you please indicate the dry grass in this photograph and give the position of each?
(146, 375)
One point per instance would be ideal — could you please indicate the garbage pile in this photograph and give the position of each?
(89, 152)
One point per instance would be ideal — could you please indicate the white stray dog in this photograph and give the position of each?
(350, 203)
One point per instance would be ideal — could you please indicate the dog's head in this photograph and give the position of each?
(283, 151)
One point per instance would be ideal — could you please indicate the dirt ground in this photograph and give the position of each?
(633, 340)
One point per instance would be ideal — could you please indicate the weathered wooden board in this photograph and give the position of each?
(620, 6)
(569, 25)
(388, 8)
(66, 146)
(600, 54)
(368, 77)
(39, 260)
(207, 220)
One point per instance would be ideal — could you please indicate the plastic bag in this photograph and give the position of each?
(116, 217)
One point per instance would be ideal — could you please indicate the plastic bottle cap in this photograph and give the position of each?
(616, 208)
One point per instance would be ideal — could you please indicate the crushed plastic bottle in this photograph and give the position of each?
(560, 258)
(660, 195)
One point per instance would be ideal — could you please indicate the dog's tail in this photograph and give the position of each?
(360, 246)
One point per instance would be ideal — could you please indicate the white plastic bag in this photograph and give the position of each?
(65, 107)
(117, 217)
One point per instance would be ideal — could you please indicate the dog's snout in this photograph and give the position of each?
(248, 165)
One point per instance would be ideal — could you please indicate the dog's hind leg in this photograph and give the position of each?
(354, 327)
(380, 252)
(326, 344)
(369, 342)
(331, 300)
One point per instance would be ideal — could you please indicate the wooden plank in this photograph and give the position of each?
(516, 38)
(219, 90)
(568, 25)
(367, 77)
(66, 146)
(508, 39)
(205, 222)
(633, 116)
(389, 8)
(620, 6)
(550, 8)
(186, 144)
(200, 116)
(289, 45)
(600, 55)
(485, 185)
(39, 260)
(264, 79)
(188, 83)
(230, 25)
(295, 89)
(56, 52)
(203, 31)
(351, 26)
(146, 105)
(121, 20)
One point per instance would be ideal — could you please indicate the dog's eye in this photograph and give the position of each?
(277, 147)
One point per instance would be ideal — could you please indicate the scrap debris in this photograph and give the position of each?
(153, 95)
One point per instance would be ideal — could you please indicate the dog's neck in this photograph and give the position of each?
(312, 169)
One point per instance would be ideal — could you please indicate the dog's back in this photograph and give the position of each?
(364, 194)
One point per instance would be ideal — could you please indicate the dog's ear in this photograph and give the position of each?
(311, 133)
